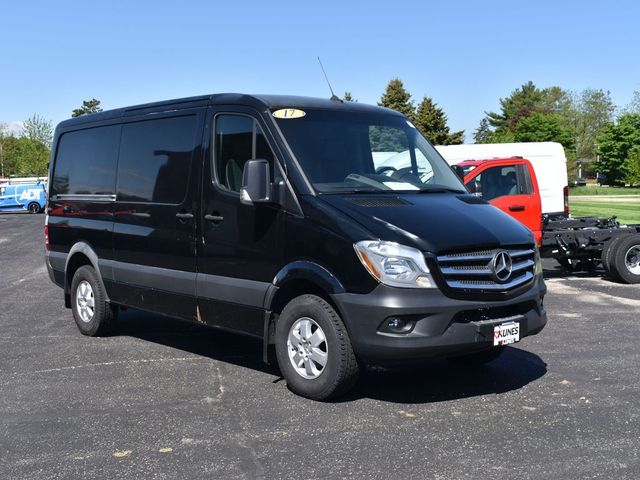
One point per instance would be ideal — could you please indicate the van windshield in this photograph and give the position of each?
(347, 151)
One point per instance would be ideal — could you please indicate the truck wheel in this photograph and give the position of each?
(33, 207)
(479, 358)
(314, 350)
(94, 316)
(608, 252)
(625, 263)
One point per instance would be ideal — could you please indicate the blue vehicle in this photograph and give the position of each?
(22, 196)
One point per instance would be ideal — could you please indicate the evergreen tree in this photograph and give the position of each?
(524, 101)
(88, 107)
(348, 97)
(482, 134)
(432, 122)
(398, 98)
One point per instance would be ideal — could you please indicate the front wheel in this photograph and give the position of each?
(314, 350)
(33, 207)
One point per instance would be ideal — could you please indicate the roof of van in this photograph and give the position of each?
(259, 102)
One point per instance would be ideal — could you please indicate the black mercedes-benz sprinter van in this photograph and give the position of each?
(333, 230)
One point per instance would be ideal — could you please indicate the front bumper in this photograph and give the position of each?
(443, 326)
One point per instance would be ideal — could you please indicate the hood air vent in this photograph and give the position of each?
(378, 201)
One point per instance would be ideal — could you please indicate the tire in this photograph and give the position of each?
(608, 252)
(33, 207)
(479, 358)
(86, 288)
(625, 260)
(310, 378)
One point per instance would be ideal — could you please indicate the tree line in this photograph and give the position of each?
(591, 128)
(26, 153)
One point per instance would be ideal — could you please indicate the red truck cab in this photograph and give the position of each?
(509, 184)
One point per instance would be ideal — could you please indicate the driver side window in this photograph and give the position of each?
(238, 139)
(495, 182)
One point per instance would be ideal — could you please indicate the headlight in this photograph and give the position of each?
(394, 264)
(537, 269)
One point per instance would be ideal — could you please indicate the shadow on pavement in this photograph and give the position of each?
(442, 380)
(435, 381)
(189, 337)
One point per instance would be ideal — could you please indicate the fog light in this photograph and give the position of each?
(397, 325)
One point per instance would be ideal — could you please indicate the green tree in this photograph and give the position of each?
(634, 106)
(38, 129)
(594, 110)
(544, 127)
(528, 98)
(631, 166)
(348, 97)
(616, 144)
(88, 107)
(23, 156)
(398, 98)
(432, 122)
(525, 100)
(482, 134)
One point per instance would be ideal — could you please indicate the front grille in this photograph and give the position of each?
(473, 270)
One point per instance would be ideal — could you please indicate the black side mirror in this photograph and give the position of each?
(256, 182)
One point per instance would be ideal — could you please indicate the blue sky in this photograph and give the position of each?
(466, 54)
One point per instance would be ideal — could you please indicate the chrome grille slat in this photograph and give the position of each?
(488, 285)
(522, 265)
(472, 271)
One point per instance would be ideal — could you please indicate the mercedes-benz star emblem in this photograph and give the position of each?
(501, 266)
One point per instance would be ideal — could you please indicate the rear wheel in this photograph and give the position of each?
(608, 252)
(33, 207)
(94, 316)
(625, 262)
(314, 350)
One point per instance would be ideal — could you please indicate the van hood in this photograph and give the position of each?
(432, 222)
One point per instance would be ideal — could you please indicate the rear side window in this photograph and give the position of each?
(155, 159)
(86, 162)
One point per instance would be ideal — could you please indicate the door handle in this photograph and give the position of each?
(214, 218)
(516, 208)
(184, 215)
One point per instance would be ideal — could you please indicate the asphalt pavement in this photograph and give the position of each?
(167, 399)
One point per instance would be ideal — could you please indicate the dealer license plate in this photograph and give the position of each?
(506, 333)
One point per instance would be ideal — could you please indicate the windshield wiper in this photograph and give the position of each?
(439, 189)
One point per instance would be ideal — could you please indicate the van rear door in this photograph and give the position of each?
(155, 212)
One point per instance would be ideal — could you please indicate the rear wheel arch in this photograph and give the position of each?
(80, 254)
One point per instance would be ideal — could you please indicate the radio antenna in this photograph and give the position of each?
(333, 95)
